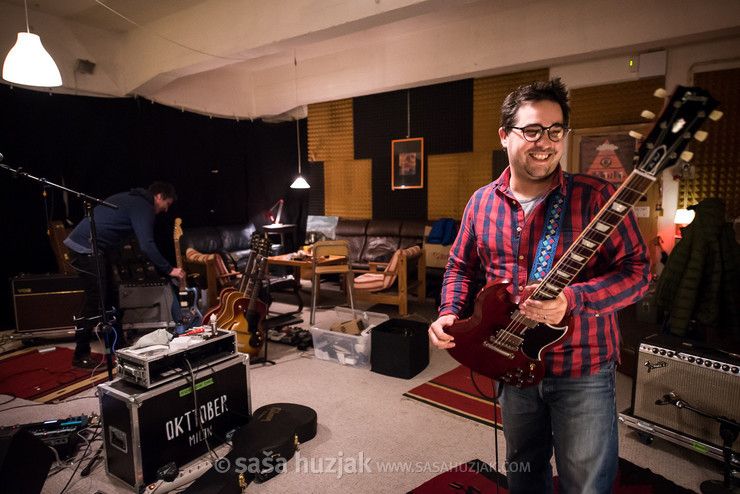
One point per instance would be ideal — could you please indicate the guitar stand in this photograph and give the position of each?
(264, 360)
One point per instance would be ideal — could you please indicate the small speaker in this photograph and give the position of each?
(399, 348)
(47, 301)
(24, 461)
(670, 369)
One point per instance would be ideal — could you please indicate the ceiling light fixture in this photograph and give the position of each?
(300, 182)
(28, 63)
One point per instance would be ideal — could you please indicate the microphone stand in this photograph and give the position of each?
(728, 431)
(89, 203)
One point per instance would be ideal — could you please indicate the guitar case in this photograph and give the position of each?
(260, 449)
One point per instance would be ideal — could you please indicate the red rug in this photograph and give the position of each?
(477, 476)
(46, 377)
(455, 392)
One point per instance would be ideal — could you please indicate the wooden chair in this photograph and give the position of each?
(211, 268)
(330, 248)
(375, 285)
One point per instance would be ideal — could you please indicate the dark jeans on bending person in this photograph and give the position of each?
(91, 309)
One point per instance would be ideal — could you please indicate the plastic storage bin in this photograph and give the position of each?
(347, 349)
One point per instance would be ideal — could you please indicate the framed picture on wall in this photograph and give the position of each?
(605, 152)
(407, 164)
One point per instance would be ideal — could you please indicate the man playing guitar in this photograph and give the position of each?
(572, 411)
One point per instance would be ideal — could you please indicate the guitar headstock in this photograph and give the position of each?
(261, 244)
(684, 113)
(178, 228)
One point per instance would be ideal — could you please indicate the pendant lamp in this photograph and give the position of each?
(28, 63)
(300, 182)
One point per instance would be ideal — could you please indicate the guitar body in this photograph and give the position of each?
(221, 299)
(248, 325)
(228, 311)
(190, 315)
(497, 343)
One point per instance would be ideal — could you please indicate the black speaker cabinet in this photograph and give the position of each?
(672, 377)
(24, 461)
(399, 348)
(46, 302)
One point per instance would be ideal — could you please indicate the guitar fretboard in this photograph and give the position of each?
(595, 234)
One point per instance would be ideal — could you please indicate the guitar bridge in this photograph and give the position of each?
(504, 342)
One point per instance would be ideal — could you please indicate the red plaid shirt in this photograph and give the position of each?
(494, 236)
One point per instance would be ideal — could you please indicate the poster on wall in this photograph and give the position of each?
(606, 153)
(407, 164)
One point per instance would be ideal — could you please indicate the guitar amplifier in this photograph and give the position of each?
(46, 302)
(673, 376)
(145, 305)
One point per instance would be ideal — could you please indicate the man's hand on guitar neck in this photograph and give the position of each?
(437, 334)
(178, 273)
(544, 311)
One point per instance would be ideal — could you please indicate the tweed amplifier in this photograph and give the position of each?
(673, 377)
(47, 303)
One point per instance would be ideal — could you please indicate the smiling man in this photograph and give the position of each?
(572, 411)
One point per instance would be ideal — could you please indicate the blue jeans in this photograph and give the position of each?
(574, 417)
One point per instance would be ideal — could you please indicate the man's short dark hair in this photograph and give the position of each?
(553, 90)
(165, 188)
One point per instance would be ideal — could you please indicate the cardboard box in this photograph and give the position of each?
(436, 254)
(354, 327)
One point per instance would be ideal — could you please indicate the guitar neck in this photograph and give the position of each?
(178, 256)
(255, 286)
(595, 234)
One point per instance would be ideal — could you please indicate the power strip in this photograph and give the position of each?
(186, 475)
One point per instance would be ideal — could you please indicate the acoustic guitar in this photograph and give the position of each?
(500, 343)
(188, 296)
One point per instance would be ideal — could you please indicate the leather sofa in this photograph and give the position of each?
(377, 240)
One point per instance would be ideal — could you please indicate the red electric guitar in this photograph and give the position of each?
(497, 341)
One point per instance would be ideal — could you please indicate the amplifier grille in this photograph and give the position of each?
(713, 388)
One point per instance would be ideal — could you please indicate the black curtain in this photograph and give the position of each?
(224, 171)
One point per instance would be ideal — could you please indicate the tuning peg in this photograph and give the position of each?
(647, 114)
(635, 135)
(660, 93)
(687, 155)
(716, 115)
(701, 135)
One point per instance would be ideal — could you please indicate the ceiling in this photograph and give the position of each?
(270, 58)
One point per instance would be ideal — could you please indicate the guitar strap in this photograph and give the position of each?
(557, 206)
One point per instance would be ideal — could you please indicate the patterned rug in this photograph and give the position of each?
(46, 377)
(477, 476)
(455, 392)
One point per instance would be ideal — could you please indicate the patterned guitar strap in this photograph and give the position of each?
(557, 206)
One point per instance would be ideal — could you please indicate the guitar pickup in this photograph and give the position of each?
(518, 317)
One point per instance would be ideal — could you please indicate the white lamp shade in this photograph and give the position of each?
(684, 216)
(300, 183)
(29, 64)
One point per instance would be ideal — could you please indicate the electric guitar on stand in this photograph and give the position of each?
(500, 343)
(187, 296)
(244, 311)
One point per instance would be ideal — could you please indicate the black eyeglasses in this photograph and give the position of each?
(534, 132)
